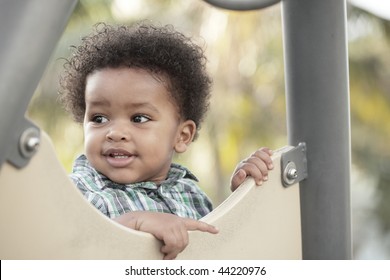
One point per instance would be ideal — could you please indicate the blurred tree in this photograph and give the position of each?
(370, 105)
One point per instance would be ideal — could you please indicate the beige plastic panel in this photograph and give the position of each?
(43, 216)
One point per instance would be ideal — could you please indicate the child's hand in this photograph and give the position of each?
(257, 166)
(172, 230)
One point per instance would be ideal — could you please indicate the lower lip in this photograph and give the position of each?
(119, 162)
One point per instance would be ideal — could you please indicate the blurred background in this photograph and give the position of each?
(248, 111)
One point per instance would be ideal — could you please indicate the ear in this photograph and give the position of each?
(186, 133)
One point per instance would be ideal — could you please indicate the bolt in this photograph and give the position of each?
(32, 144)
(29, 142)
(292, 173)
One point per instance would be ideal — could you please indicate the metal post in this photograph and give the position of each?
(316, 69)
(29, 31)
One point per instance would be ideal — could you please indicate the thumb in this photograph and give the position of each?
(237, 179)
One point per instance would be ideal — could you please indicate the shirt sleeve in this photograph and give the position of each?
(202, 203)
(189, 200)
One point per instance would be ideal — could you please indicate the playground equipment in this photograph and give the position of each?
(54, 221)
(43, 216)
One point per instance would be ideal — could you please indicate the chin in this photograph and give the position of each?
(125, 181)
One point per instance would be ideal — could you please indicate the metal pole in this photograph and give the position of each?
(316, 69)
(242, 5)
(29, 31)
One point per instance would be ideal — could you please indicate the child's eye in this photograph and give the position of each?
(99, 119)
(140, 119)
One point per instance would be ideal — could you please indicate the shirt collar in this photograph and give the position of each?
(175, 173)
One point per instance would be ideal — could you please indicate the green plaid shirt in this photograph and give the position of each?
(178, 194)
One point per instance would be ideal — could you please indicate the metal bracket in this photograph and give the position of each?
(25, 145)
(294, 165)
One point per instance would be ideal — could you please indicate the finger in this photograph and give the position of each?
(257, 169)
(176, 243)
(200, 226)
(257, 163)
(184, 237)
(170, 256)
(237, 179)
(267, 150)
(173, 245)
(169, 244)
(264, 154)
(170, 253)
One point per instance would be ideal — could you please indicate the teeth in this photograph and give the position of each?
(119, 155)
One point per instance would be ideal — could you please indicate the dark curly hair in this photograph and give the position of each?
(160, 50)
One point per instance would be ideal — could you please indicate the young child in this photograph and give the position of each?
(141, 93)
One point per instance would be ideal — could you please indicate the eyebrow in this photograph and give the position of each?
(98, 102)
(143, 105)
(103, 102)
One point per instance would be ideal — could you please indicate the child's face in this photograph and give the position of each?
(131, 126)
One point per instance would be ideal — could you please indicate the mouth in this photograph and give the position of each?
(118, 157)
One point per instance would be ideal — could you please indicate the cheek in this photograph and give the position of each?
(160, 143)
(87, 135)
(88, 146)
(91, 139)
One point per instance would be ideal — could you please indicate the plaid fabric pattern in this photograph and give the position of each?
(178, 194)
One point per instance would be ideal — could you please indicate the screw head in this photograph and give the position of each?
(290, 173)
(29, 142)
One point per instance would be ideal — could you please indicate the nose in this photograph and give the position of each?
(118, 132)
